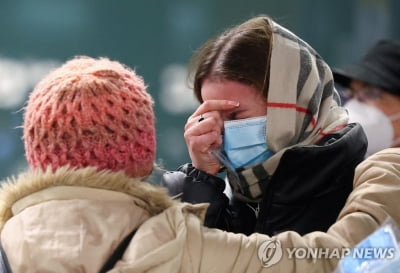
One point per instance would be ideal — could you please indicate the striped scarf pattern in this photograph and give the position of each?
(303, 106)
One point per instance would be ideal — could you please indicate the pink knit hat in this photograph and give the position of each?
(91, 112)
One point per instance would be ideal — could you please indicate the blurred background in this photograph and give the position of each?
(157, 39)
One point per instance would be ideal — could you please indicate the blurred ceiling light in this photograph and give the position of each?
(175, 96)
(17, 77)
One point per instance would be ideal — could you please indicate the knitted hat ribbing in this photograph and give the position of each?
(91, 112)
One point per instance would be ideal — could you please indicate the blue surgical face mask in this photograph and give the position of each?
(245, 141)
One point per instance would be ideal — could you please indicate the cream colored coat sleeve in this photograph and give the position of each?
(176, 241)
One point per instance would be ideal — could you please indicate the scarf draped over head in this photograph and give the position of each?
(303, 105)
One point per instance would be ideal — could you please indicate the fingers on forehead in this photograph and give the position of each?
(216, 105)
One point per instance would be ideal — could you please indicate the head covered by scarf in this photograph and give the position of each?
(303, 106)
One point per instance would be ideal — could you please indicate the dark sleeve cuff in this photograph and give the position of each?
(195, 186)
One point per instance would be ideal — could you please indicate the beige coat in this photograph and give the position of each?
(72, 220)
(63, 229)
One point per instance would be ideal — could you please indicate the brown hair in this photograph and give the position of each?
(241, 54)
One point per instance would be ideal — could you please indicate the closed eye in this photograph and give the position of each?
(237, 114)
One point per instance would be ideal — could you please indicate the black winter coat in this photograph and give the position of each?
(305, 193)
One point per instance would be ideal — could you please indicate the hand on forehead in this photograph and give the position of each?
(249, 101)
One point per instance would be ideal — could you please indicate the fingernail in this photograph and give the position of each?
(234, 103)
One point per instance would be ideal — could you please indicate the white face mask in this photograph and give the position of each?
(377, 126)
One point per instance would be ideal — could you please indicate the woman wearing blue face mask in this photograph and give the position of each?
(271, 118)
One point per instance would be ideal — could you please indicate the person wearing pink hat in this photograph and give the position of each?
(89, 139)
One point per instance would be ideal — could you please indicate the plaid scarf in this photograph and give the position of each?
(303, 106)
